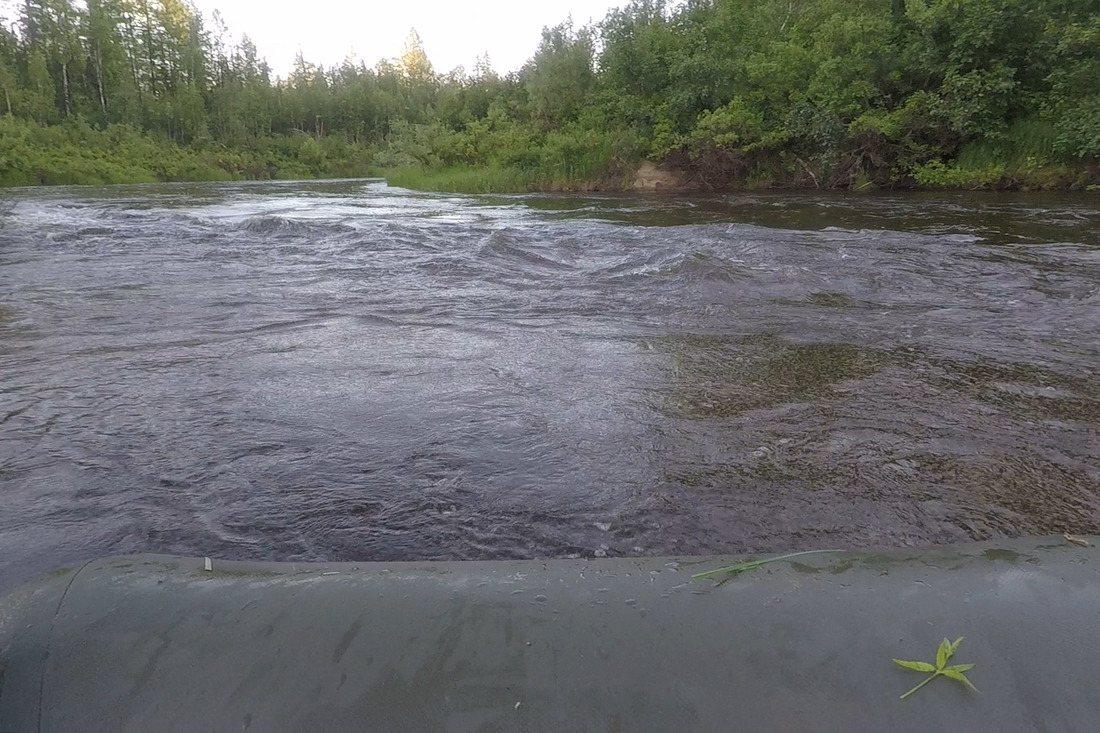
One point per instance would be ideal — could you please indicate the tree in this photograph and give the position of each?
(40, 93)
(561, 74)
(413, 64)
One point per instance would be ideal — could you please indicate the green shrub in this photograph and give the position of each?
(938, 175)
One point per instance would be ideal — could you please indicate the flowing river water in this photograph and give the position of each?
(346, 371)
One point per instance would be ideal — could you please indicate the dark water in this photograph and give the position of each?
(345, 371)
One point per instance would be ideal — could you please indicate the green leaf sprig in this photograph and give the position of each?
(943, 654)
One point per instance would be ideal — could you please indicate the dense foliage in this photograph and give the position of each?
(828, 93)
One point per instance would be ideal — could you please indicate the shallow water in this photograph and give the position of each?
(344, 371)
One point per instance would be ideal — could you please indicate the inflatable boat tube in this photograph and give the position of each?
(154, 644)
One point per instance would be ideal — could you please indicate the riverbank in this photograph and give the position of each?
(78, 154)
(687, 177)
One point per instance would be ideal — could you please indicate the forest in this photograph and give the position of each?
(715, 94)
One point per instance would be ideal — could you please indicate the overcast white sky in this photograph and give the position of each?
(453, 32)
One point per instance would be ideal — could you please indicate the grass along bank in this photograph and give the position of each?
(78, 154)
(506, 161)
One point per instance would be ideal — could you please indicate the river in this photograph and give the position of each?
(346, 371)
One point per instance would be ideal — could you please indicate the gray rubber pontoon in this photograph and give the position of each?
(155, 644)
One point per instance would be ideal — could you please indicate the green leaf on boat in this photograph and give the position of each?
(741, 567)
(945, 651)
(956, 675)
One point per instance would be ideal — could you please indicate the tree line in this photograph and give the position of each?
(825, 93)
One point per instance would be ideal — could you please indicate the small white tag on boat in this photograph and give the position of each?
(207, 564)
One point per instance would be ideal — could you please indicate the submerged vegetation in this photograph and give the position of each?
(821, 93)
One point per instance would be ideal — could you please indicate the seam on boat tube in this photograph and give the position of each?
(49, 642)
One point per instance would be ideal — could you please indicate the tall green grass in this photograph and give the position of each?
(505, 158)
(77, 153)
(462, 179)
(1027, 142)
(1024, 156)
(492, 179)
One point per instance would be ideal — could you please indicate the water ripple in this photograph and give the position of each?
(339, 370)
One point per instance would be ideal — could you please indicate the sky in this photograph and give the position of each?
(454, 33)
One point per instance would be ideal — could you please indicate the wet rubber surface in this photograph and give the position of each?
(343, 371)
(156, 643)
